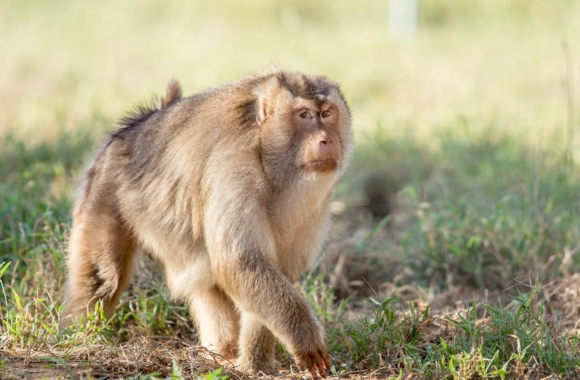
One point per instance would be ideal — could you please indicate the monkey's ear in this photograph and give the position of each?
(261, 113)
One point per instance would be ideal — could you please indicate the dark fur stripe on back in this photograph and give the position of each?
(133, 118)
(136, 116)
(144, 111)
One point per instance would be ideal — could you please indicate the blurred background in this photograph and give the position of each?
(68, 64)
(464, 174)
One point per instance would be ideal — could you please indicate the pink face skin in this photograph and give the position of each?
(322, 147)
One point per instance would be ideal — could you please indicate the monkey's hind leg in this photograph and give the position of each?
(100, 261)
(257, 346)
(217, 321)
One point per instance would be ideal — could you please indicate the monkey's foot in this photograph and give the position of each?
(224, 356)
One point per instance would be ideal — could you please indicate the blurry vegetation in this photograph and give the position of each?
(454, 252)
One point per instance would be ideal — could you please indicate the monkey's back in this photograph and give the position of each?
(153, 166)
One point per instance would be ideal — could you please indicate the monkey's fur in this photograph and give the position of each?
(230, 190)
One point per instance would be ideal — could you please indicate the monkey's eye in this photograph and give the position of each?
(304, 114)
(326, 113)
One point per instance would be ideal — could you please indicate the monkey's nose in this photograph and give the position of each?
(325, 146)
(327, 149)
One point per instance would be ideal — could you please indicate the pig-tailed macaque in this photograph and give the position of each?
(230, 190)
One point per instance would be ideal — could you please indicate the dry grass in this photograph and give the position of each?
(166, 356)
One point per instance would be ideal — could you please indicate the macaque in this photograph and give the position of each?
(230, 190)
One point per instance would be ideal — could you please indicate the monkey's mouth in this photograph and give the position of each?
(322, 165)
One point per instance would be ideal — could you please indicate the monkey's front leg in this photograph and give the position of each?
(242, 251)
(262, 291)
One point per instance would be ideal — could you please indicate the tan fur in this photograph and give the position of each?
(230, 190)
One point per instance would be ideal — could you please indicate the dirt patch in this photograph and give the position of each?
(145, 356)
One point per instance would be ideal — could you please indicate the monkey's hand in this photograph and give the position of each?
(316, 360)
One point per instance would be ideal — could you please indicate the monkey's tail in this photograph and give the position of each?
(173, 93)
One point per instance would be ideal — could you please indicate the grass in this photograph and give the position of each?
(466, 133)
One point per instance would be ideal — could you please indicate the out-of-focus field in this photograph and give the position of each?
(67, 65)
(454, 252)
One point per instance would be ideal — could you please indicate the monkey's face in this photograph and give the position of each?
(317, 128)
(304, 126)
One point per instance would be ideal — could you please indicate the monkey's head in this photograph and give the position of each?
(305, 125)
